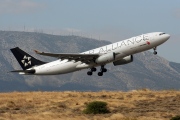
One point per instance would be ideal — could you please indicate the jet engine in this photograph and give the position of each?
(105, 58)
(124, 60)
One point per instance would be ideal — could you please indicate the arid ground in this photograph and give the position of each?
(132, 105)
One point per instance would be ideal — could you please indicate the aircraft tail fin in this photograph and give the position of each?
(25, 60)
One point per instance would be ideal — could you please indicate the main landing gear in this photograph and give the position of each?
(91, 71)
(155, 52)
(102, 70)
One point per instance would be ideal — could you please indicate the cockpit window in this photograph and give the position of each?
(162, 33)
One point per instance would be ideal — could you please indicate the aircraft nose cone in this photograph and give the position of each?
(167, 36)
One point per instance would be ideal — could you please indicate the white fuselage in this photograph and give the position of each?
(121, 49)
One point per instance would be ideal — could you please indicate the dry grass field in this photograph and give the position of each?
(133, 105)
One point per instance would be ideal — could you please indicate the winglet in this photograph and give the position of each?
(37, 52)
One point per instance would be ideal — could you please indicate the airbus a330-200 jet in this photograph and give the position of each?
(118, 53)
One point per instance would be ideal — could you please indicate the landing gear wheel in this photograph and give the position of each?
(104, 70)
(155, 53)
(93, 69)
(100, 73)
(89, 73)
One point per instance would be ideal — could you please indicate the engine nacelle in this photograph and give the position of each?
(125, 60)
(109, 57)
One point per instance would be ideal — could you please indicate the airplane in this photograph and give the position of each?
(118, 53)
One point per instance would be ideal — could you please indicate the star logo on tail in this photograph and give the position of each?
(26, 61)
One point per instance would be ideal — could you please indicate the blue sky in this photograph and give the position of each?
(112, 20)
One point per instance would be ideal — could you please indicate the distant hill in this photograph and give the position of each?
(147, 70)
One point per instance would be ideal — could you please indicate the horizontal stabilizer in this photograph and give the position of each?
(25, 71)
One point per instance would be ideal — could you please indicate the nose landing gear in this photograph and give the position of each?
(155, 52)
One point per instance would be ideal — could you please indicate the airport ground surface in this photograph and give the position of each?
(132, 105)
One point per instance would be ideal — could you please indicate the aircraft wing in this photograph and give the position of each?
(86, 58)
